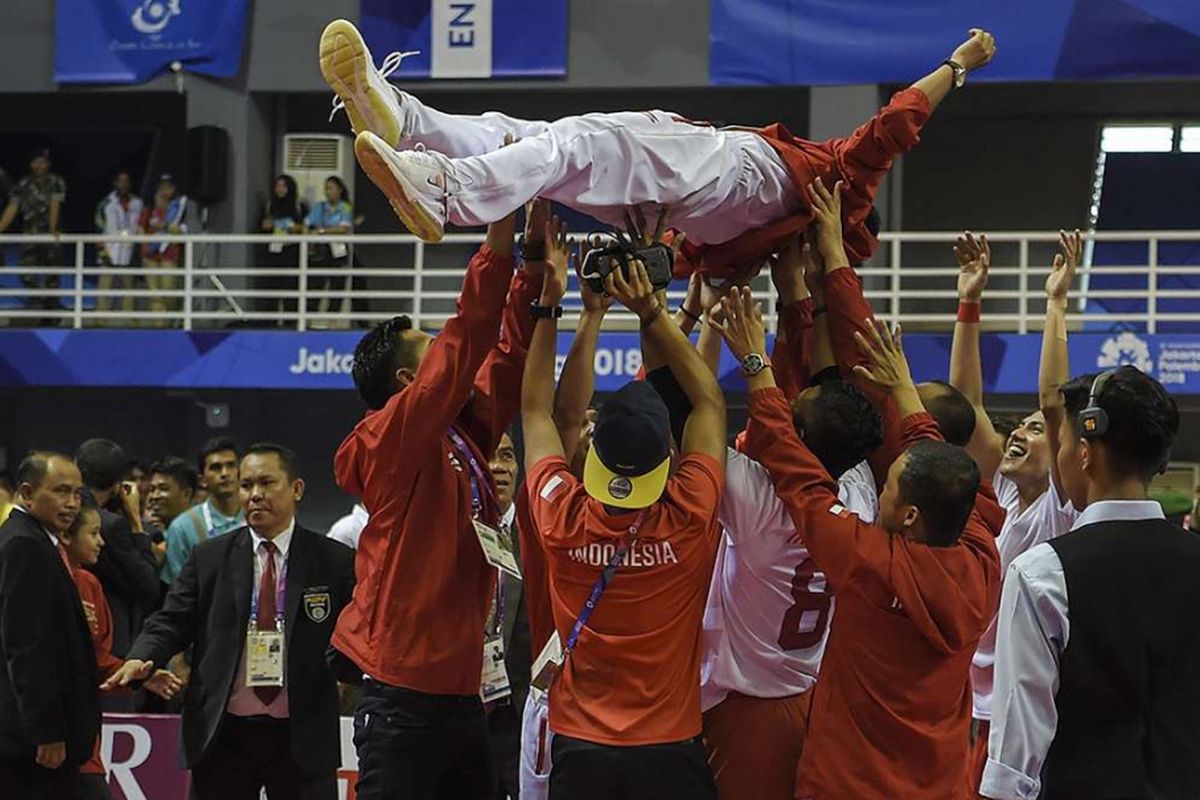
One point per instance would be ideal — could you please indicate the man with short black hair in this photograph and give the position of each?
(418, 462)
(915, 590)
(219, 514)
(127, 568)
(49, 706)
(261, 710)
(173, 484)
(1118, 591)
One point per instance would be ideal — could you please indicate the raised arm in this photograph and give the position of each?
(704, 431)
(497, 396)
(577, 382)
(542, 438)
(405, 431)
(966, 364)
(10, 213)
(1055, 368)
(972, 54)
(793, 342)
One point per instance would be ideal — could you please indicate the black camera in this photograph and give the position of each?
(618, 252)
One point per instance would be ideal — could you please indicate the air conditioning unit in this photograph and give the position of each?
(311, 158)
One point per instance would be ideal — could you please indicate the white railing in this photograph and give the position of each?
(219, 282)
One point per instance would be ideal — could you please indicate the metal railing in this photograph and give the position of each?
(220, 281)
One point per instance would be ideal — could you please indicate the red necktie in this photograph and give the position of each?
(265, 620)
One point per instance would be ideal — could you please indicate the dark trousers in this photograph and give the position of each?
(416, 746)
(252, 753)
(504, 731)
(587, 771)
(28, 781)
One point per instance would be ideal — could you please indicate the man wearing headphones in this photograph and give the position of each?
(1098, 642)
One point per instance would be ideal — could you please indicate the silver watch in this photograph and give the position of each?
(753, 364)
(960, 72)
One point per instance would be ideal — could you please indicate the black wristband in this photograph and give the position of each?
(646, 323)
(545, 312)
(690, 315)
(531, 251)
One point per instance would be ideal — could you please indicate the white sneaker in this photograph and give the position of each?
(370, 101)
(414, 181)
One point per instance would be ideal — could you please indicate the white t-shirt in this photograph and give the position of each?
(347, 529)
(769, 609)
(1048, 517)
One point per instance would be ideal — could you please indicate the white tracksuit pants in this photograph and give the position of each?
(536, 737)
(717, 182)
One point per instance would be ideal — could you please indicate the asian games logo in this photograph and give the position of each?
(1125, 348)
(152, 16)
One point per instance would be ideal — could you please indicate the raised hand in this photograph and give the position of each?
(1066, 264)
(742, 328)
(827, 216)
(132, 670)
(639, 231)
(596, 303)
(974, 258)
(635, 292)
(790, 271)
(558, 252)
(889, 366)
(977, 51)
(537, 214)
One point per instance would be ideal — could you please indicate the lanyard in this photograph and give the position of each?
(208, 520)
(601, 584)
(280, 591)
(481, 490)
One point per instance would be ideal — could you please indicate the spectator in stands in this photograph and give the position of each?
(283, 215)
(347, 529)
(510, 622)
(127, 568)
(49, 714)
(82, 544)
(120, 214)
(168, 214)
(38, 198)
(250, 720)
(333, 215)
(219, 514)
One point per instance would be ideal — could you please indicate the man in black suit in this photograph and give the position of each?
(49, 707)
(504, 715)
(127, 568)
(257, 606)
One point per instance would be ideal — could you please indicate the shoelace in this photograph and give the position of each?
(390, 64)
(449, 171)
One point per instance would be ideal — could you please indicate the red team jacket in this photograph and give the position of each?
(891, 712)
(861, 159)
(418, 612)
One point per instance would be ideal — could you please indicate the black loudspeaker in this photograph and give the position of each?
(208, 164)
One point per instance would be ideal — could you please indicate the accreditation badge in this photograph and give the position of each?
(548, 664)
(497, 548)
(264, 658)
(494, 684)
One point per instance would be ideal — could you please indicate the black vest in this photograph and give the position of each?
(1129, 693)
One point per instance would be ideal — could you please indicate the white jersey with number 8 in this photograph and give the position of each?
(769, 608)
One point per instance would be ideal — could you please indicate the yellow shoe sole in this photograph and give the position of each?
(398, 191)
(345, 65)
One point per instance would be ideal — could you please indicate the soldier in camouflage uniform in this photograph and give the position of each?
(38, 198)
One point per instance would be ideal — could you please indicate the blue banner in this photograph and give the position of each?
(131, 41)
(461, 39)
(322, 360)
(885, 41)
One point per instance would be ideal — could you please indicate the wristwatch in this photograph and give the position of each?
(545, 312)
(960, 72)
(753, 364)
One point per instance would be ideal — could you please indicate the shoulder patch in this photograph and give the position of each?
(551, 487)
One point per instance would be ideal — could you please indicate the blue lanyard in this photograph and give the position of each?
(481, 490)
(601, 584)
(280, 592)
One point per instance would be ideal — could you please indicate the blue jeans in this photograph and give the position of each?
(416, 746)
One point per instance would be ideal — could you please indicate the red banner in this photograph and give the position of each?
(141, 755)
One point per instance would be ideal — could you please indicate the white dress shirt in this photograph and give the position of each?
(1033, 629)
(243, 702)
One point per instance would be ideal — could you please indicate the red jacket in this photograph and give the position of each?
(418, 612)
(861, 159)
(891, 711)
(100, 624)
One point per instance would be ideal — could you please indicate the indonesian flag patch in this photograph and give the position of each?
(839, 510)
(551, 486)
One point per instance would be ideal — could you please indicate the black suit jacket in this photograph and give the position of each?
(49, 684)
(208, 608)
(128, 572)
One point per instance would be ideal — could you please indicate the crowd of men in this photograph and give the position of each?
(870, 593)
